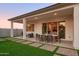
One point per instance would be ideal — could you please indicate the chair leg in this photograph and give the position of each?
(59, 40)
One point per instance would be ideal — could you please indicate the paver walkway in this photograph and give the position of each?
(60, 51)
(56, 55)
(48, 47)
(36, 44)
(66, 51)
(26, 42)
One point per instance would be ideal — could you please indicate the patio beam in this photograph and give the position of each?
(24, 28)
(11, 33)
(76, 26)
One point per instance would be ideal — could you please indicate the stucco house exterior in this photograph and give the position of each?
(50, 19)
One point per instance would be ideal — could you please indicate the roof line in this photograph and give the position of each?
(34, 10)
(40, 10)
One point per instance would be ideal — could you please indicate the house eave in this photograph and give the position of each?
(49, 8)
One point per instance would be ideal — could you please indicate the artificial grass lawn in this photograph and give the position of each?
(78, 52)
(10, 48)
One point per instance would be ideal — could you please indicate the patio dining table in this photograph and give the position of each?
(53, 35)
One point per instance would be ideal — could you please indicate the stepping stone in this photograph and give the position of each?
(26, 42)
(68, 52)
(14, 40)
(48, 47)
(56, 55)
(35, 44)
(19, 40)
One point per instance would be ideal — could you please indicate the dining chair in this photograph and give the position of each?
(37, 37)
(49, 38)
(57, 39)
(41, 38)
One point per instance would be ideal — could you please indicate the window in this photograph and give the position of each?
(30, 27)
(44, 28)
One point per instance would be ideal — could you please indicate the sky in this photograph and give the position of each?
(9, 10)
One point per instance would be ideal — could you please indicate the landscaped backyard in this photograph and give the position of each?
(12, 48)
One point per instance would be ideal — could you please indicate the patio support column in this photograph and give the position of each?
(76, 26)
(24, 28)
(11, 33)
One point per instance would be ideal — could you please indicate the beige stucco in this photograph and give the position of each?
(69, 29)
(11, 33)
(76, 26)
(24, 28)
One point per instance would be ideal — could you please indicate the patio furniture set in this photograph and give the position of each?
(48, 38)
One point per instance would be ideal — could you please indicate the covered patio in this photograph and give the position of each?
(57, 21)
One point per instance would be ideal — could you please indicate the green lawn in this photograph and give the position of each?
(10, 48)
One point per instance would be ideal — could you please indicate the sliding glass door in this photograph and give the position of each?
(52, 28)
(49, 28)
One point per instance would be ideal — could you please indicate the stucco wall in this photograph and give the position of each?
(69, 29)
(76, 26)
(69, 25)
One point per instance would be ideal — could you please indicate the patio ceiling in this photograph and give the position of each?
(52, 15)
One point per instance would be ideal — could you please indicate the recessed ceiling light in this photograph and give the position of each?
(64, 17)
(55, 13)
(28, 25)
(36, 17)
